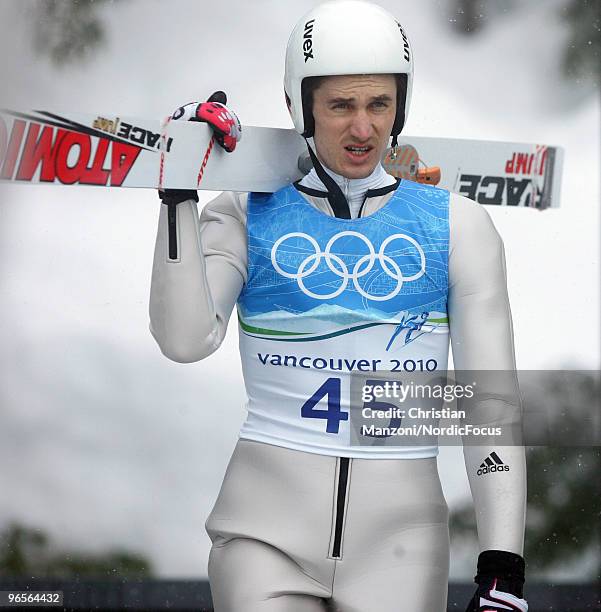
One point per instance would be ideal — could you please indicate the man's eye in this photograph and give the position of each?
(380, 104)
(341, 105)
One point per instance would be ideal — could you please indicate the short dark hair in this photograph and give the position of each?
(310, 84)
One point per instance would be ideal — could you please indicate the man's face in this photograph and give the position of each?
(353, 111)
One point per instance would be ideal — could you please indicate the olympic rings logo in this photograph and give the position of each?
(311, 262)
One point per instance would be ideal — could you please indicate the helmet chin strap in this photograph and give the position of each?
(335, 196)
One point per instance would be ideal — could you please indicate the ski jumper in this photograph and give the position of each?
(305, 519)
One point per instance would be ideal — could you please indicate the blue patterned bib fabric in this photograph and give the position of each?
(327, 297)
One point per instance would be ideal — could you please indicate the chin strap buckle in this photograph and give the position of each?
(403, 161)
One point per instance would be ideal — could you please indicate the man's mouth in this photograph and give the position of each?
(358, 150)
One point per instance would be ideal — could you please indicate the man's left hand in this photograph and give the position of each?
(488, 598)
(500, 581)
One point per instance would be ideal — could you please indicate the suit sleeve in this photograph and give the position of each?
(192, 297)
(482, 340)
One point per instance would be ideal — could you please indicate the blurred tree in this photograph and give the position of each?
(582, 56)
(564, 488)
(67, 30)
(468, 15)
(26, 551)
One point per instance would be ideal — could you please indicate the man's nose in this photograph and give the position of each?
(361, 126)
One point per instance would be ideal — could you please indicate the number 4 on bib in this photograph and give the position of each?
(333, 414)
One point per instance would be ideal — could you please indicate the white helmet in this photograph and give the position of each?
(346, 37)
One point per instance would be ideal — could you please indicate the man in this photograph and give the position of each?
(323, 273)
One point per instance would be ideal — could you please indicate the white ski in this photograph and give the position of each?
(111, 151)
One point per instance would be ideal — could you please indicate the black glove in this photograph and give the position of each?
(500, 580)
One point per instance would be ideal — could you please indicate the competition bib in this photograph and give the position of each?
(327, 298)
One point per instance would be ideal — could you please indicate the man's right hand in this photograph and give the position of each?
(225, 122)
(226, 128)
